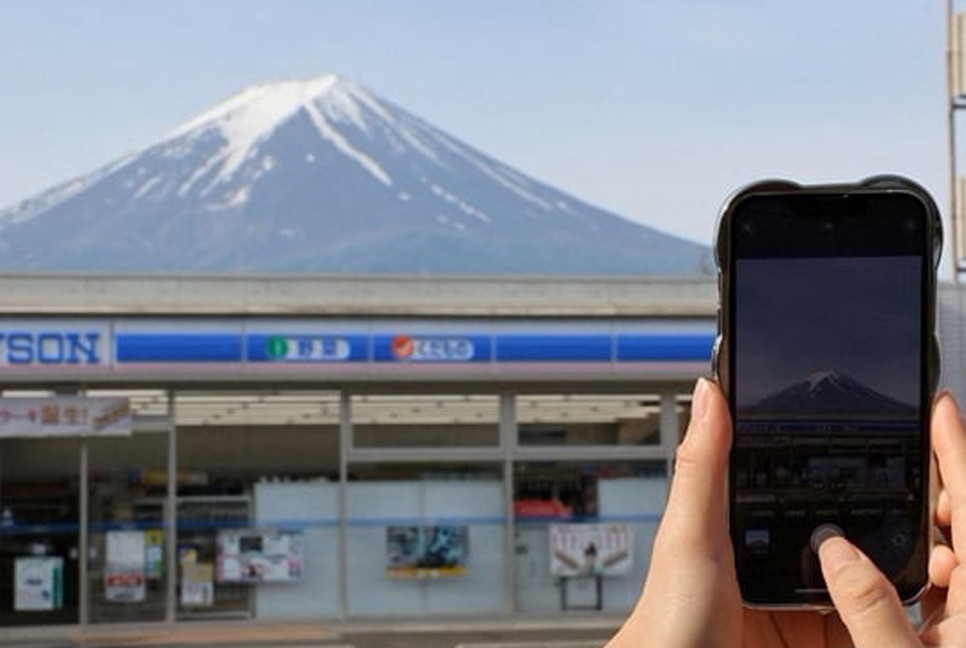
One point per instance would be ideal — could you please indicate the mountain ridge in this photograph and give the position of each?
(321, 175)
(829, 392)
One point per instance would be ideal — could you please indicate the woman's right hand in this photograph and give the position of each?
(864, 599)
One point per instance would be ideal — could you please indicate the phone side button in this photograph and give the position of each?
(715, 355)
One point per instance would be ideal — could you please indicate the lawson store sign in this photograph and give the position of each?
(240, 348)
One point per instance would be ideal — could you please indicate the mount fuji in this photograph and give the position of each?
(322, 175)
(829, 392)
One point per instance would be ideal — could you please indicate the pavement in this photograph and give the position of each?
(589, 631)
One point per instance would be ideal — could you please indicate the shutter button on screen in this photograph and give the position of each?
(822, 533)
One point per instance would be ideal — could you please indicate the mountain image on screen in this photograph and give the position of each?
(829, 393)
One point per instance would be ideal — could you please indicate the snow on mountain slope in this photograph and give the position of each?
(322, 175)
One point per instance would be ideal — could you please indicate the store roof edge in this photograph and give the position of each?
(288, 295)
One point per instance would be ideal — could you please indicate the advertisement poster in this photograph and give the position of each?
(65, 416)
(154, 553)
(258, 556)
(197, 584)
(38, 583)
(124, 576)
(590, 549)
(426, 551)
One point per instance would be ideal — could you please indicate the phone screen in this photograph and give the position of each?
(830, 388)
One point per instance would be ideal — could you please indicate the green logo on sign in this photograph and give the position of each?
(277, 347)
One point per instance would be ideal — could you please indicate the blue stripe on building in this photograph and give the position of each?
(418, 348)
(682, 347)
(178, 347)
(521, 347)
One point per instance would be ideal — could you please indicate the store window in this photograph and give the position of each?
(426, 539)
(583, 532)
(257, 513)
(39, 525)
(419, 420)
(589, 419)
(127, 571)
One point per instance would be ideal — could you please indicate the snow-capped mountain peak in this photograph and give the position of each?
(251, 116)
(261, 107)
(817, 378)
(829, 392)
(323, 175)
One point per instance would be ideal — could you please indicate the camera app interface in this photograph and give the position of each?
(828, 423)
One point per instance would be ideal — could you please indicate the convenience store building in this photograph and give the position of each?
(265, 447)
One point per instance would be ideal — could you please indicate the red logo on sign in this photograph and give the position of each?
(403, 346)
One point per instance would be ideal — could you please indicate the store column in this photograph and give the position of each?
(171, 516)
(670, 429)
(83, 546)
(508, 444)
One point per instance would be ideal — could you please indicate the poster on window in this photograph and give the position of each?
(197, 584)
(154, 553)
(258, 556)
(590, 549)
(38, 583)
(427, 551)
(124, 575)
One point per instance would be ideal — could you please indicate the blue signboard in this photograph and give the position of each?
(261, 346)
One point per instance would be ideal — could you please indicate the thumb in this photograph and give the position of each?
(694, 518)
(866, 601)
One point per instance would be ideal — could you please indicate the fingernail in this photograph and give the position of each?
(835, 552)
(699, 399)
(945, 392)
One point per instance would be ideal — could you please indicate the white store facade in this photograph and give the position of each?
(341, 448)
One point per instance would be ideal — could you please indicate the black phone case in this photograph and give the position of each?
(720, 359)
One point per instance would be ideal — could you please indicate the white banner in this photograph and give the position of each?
(65, 416)
(125, 557)
(591, 549)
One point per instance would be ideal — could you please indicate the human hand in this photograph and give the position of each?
(691, 596)
(866, 601)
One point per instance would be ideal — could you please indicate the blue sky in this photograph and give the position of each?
(655, 109)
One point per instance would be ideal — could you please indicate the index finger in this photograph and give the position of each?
(949, 444)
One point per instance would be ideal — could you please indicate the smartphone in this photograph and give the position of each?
(827, 353)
